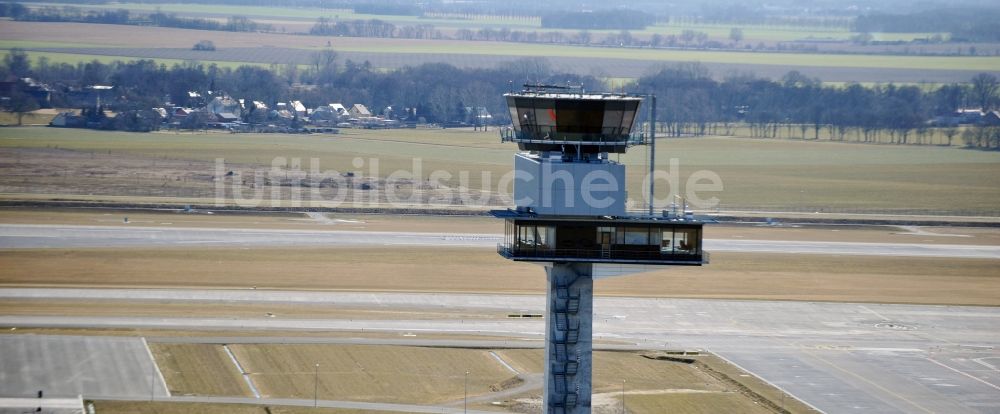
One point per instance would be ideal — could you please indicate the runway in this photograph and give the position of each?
(838, 357)
(28, 236)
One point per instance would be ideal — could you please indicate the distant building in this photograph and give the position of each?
(194, 99)
(359, 111)
(40, 91)
(969, 116)
(340, 110)
(68, 120)
(325, 115)
(224, 105)
(226, 117)
(91, 95)
(179, 114)
(992, 118)
(297, 108)
(477, 115)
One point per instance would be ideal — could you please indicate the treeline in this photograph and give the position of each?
(978, 25)
(382, 29)
(747, 14)
(372, 28)
(386, 8)
(690, 102)
(598, 20)
(121, 16)
(337, 4)
(435, 92)
(820, 13)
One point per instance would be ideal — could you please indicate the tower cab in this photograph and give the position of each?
(570, 197)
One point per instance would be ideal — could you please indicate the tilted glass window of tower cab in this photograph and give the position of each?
(570, 196)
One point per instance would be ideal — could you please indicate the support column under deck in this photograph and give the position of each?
(568, 338)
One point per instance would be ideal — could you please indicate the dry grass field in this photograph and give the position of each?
(301, 18)
(134, 36)
(159, 407)
(84, 216)
(39, 117)
(289, 221)
(62, 43)
(730, 276)
(420, 375)
(227, 310)
(197, 369)
(769, 175)
(392, 374)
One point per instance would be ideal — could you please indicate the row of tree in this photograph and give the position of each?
(19, 12)
(372, 28)
(382, 29)
(615, 19)
(966, 24)
(690, 100)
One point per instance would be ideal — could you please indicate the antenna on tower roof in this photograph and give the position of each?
(540, 87)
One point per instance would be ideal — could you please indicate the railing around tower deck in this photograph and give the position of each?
(609, 136)
(599, 255)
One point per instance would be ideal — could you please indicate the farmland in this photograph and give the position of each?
(625, 68)
(758, 174)
(303, 17)
(63, 42)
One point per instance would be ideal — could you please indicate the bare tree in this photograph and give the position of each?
(530, 69)
(22, 103)
(323, 60)
(736, 34)
(950, 132)
(984, 90)
(324, 65)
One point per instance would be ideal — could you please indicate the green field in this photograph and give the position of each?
(760, 33)
(309, 15)
(752, 33)
(756, 173)
(968, 63)
(74, 58)
(963, 63)
(36, 44)
(862, 67)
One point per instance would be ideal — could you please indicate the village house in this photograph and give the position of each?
(359, 111)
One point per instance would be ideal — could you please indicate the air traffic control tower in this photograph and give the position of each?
(570, 216)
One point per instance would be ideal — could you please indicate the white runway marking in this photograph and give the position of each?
(166, 389)
(239, 368)
(964, 373)
(14, 236)
(867, 309)
(504, 363)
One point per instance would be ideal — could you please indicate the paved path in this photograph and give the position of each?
(14, 236)
(839, 357)
(47, 405)
(308, 402)
(67, 366)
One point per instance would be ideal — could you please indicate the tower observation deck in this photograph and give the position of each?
(570, 216)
